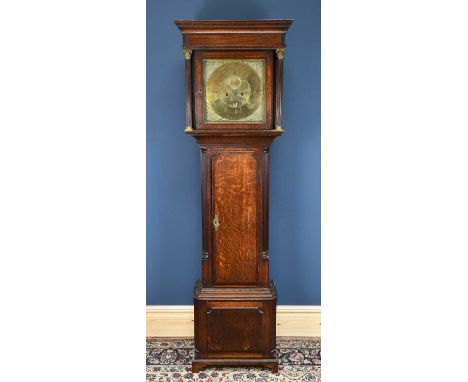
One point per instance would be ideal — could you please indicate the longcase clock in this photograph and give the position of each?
(234, 74)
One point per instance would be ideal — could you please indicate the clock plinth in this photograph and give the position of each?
(235, 326)
(233, 109)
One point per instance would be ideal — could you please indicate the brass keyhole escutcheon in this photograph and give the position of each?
(216, 224)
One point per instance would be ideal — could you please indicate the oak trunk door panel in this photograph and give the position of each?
(235, 329)
(235, 217)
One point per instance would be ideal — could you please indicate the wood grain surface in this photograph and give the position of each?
(235, 205)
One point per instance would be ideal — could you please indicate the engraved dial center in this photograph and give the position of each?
(236, 91)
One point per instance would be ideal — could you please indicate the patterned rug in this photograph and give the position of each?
(169, 359)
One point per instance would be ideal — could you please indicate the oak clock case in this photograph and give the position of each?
(233, 73)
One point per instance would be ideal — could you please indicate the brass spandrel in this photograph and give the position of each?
(234, 90)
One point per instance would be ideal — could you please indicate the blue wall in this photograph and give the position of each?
(173, 180)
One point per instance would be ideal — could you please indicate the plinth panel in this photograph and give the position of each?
(234, 328)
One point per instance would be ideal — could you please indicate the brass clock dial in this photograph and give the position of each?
(234, 90)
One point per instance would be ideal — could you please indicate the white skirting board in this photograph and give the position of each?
(177, 320)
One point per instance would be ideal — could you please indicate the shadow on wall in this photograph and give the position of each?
(239, 9)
